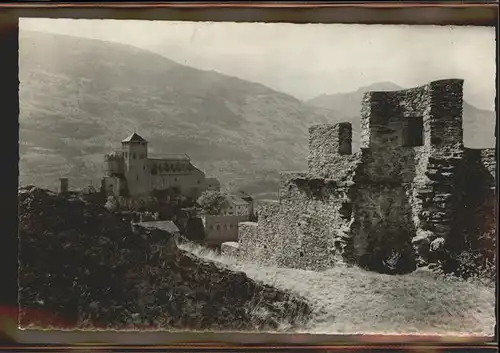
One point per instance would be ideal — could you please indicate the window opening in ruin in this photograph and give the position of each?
(301, 254)
(436, 140)
(413, 132)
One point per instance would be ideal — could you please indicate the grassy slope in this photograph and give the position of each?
(350, 300)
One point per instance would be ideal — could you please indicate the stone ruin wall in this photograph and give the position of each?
(311, 220)
(480, 202)
(389, 206)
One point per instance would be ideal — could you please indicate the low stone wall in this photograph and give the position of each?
(306, 230)
(229, 249)
(248, 241)
(261, 242)
(315, 218)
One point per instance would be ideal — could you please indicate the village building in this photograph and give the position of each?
(221, 228)
(237, 206)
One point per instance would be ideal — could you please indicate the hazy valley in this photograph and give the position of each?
(80, 98)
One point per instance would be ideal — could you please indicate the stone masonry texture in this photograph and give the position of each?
(412, 196)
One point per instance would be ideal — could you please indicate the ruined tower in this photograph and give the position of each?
(398, 203)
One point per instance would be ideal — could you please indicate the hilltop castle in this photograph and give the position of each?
(411, 196)
(132, 173)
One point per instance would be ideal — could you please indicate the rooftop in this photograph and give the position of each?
(236, 200)
(134, 138)
(169, 226)
(170, 157)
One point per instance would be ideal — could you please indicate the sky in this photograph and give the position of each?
(307, 60)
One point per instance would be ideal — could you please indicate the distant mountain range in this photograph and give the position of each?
(479, 124)
(80, 97)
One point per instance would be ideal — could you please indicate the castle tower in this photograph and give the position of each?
(63, 185)
(135, 154)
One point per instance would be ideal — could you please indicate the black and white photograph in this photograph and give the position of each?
(257, 177)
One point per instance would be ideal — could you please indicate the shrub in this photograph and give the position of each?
(471, 264)
(213, 202)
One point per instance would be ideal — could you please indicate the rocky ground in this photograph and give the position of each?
(82, 267)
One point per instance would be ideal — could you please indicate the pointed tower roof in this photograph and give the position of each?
(134, 138)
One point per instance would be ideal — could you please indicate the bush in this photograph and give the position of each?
(475, 265)
(111, 204)
(213, 202)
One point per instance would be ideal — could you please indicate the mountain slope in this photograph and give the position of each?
(479, 124)
(79, 98)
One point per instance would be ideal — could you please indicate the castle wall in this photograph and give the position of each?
(263, 242)
(479, 210)
(440, 193)
(330, 151)
(229, 249)
(429, 172)
(112, 186)
(249, 249)
(382, 228)
(397, 203)
(384, 119)
(316, 214)
(306, 229)
(114, 164)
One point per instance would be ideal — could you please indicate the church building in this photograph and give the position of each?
(131, 173)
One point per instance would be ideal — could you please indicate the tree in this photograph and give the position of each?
(111, 204)
(213, 202)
